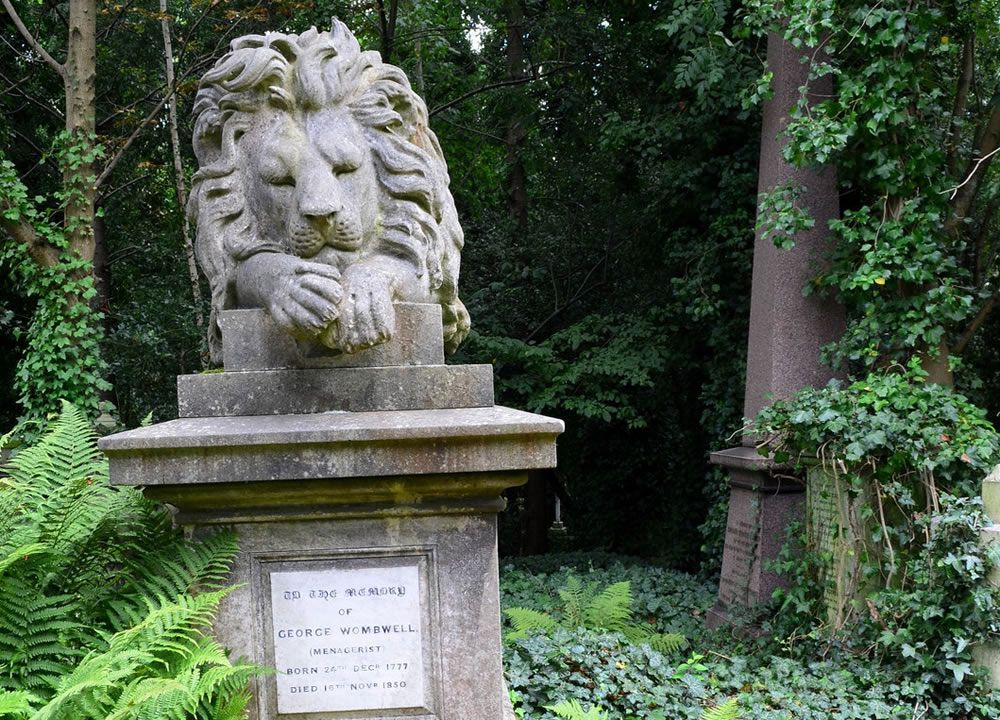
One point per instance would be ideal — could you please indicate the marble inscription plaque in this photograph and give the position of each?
(348, 639)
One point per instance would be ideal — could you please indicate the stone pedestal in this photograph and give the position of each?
(368, 563)
(762, 502)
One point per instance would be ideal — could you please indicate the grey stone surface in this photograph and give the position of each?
(281, 392)
(317, 495)
(787, 331)
(322, 193)
(761, 505)
(462, 663)
(332, 445)
(251, 340)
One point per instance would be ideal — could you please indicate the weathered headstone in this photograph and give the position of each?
(988, 654)
(361, 474)
(787, 331)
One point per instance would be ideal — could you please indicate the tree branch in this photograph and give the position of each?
(977, 321)
(987, 145)
(16, 88)
(474, 131)
(113, 162)
(111, 193)
(21, 232)
(580, 293)
(495, 85)
(114, 23)
(35, 45)
(961, 99)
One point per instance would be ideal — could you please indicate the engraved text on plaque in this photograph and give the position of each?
(348, 639)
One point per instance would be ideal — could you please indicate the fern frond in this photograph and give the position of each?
(726, 711)
(167, 697)
(66, 452)
(525, 620)
(21, 553)
(575, 596)
(16, 704)
(611, 609)
(171, 627)
(177, 567)
(33, 633)
(667, 643)
(572, 710)
(80, 560)
(232, 707)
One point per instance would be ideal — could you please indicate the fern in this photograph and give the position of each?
(16, 704)
(726, 711)
(576, 596)
(525, 620)
(667, 643)
(572, 710)
(609, 610)
(103, 605)
(163, 668)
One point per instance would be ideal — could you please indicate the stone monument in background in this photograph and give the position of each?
(787, 330)
(361, 474)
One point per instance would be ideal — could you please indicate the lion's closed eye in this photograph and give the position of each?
(343, 168)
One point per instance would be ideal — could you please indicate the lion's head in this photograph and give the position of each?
(310, 147)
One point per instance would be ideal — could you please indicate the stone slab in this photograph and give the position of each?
(455, 563)
(251, 340)
(761, 506)
(251, 449)
(991, 494)
(297, 391)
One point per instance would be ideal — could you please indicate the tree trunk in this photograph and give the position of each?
(387, 28)
(175, 146)
(80, 83)
(418, 73)
(517, 178)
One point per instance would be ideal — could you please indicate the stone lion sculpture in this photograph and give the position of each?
(322, 194)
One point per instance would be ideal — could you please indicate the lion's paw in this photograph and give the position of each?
(306, 297)
(367, 317)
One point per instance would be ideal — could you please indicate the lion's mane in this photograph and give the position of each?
(310, 71)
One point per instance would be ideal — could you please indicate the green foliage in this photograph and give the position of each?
(609, 610)
(893, 423)
(728, 710)
(103, 606)
(62, 358)
(729, 674)
(595, 368)
(665, 601)
(905, 130)
(916, 453)
(573, 710)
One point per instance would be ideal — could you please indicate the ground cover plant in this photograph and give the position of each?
(103, 604)
(560, 672)
(916, 453)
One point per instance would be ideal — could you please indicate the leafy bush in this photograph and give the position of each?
(915, 453)
(103, 605)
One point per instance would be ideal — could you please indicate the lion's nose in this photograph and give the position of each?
(320, 202)
(321, 222)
